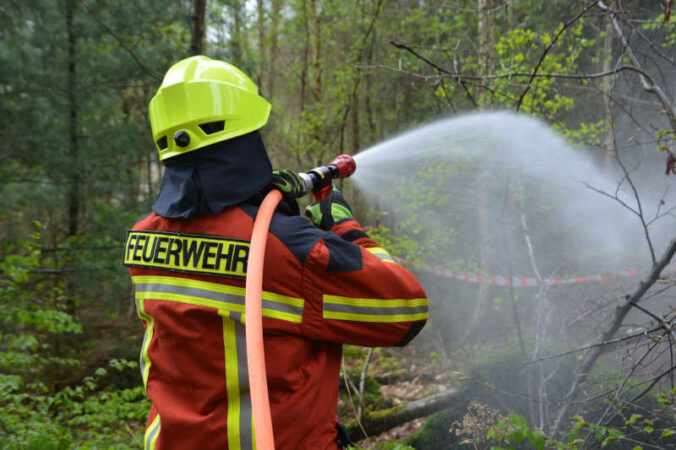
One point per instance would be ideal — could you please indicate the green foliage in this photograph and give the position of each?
(85, 158)
(32, 313)
(512, 432)
(88, 415)
(435, 433)
(33, 414)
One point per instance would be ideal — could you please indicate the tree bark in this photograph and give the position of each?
(74, 169)
(198, 41)
(377, 422)
(485, 250)
(262, 69)
(606, 88)
(236, 40)
(274, 32)
(315, 42)
(486, 38)
(355, 141)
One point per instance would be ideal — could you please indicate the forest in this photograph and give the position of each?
(517, 156)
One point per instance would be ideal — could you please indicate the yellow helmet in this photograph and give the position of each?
(203, 101)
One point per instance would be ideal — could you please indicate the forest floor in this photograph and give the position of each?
(404, 375)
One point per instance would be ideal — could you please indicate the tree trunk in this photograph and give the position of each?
(274, 31)
(606, 89)
(303, 71)
(198, 41)
(261, 44)
(377, 422)
(237, 35)
(485, 250)
(315, 41)
(354, 125)
(486, 37)
(74, 169)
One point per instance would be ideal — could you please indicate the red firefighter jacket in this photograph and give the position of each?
(320, 290)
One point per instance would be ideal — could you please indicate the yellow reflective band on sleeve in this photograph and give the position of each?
(147, 337)
(210, 255)
(381, 254)
(215, 295)
(151, 434)
(374, 310)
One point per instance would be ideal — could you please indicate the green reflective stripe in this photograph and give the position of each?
(381, 254)
(374, 310)
(339, 212)
(239, 419)
(215, 295)
(152, 434)
(144, 360)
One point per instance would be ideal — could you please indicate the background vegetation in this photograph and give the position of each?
(78, 168)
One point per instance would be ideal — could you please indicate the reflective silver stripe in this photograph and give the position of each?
(144, 360)
(383, 256)
(380, 311)
(148, 288)
(282, 307)
(245, 412)
(151, 432)
(191, 291)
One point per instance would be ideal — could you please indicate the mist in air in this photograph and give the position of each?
(464, 187)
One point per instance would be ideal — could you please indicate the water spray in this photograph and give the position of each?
(318, 181)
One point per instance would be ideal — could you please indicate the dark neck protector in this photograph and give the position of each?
(209, 180)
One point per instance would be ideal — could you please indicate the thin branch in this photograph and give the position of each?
(653, 383)
(622, 384)
(546, 51)
(621, 312)
(349, 394)
(362, 381)
(590, 346)
(120, 41)
(647, 81)
(438, 68)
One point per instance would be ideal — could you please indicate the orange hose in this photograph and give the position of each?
(253, 318)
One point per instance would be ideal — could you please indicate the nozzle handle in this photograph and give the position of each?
(320, 177)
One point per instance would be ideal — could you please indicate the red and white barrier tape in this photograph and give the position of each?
(499, 280)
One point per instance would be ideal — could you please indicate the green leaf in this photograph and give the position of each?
(600, 432)
(666, 433)
(617, 434)
(632, 420)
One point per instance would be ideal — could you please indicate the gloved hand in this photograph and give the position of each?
(327, 212)
(288, 183)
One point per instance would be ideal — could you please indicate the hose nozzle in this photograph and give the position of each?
(321, 177)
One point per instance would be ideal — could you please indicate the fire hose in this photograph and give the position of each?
(318, 181)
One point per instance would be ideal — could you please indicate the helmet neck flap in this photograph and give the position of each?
(210, 179)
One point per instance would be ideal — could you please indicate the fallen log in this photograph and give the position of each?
(376, 422)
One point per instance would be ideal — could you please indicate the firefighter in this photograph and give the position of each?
(326, 282)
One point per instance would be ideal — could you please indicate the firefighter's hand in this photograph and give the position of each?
(329, 211)
(288, 183)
